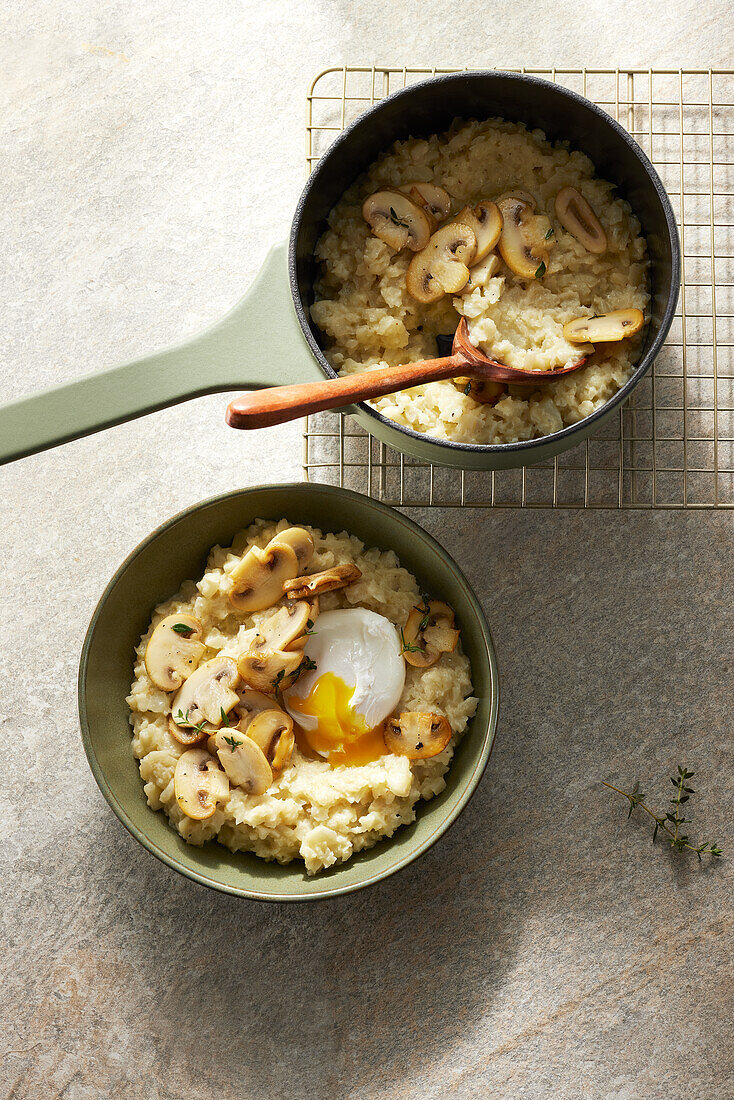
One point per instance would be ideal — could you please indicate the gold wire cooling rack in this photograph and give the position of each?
(672, 444)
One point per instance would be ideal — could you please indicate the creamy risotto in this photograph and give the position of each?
(371, 669)
(370, 319)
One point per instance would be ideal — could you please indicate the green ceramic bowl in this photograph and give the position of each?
(176, 551)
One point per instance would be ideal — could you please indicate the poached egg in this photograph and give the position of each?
(340, 705)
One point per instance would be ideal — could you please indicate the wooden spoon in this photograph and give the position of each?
(276, 405)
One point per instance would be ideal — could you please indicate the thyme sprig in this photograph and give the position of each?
(408, 647)
(396, 220)
(671, 821)
(182, 719)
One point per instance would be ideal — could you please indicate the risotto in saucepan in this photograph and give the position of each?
(298, 700)
(493, 223)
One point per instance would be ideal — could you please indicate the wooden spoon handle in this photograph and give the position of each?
(262, 408)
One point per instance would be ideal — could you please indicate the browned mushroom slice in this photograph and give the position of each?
(432, 198)
(243, 761)
(525, 239)
(609, 328)
(206, 694)
(428, 633)
(199, 784)
(442, 267)
(524, 196)
(481, 273)
(272, 731)
(251, 703)
(577, 217)
(265, 670)
(485, 392)
(486, 221)
(396, 220)
(299, 541)
(339, 576)
(257, 580)
(188, 735)
(174, 650)
(417, 736)
(288, 623)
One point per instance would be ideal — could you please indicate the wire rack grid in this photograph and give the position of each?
(672, 443)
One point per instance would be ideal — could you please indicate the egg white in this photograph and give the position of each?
(363, 649)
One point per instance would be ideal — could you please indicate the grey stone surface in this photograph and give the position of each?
(150, 154)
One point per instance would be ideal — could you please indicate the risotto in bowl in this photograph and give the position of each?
(312, 703)
(491, 222)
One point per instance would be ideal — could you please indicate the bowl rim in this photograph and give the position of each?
(176, 864)
(523, 446)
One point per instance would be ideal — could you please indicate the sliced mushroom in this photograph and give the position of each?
(199, 784)
(606, 329)
(265, 670)
(432, 198)
(282, 628)
(481, 273)
(206, 693)
(339, 576)
(577, 217)
(442, 267)
(396, 220)
(244, 762)
(428, 633)
(299, 541)
(185, 735)
(250, 705)
(272, 731)
(257, 581)
(526, 238)
(524, 196)
(417, 736)
(174, 650)
(481, 390)
(486, 221)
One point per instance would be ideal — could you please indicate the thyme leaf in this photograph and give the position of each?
(182, 629)
(541, 270)
(396, 220)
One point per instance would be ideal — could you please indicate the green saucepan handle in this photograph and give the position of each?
(259, 343)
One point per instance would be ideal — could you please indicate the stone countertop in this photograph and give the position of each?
(150, 155)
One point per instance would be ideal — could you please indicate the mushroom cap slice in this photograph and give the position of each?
(606, 329)
(486, 221)
(199, 784)
(257, 580)
(280, 629)
(523, 244)
(524, 196)
(396, 220)
(416, 735)
(173, 651)
(265, 670)
(578, 218)
(328, 580)
(481, 390)
(206, 693)
(481, 273)
(434, 199)
(272, 731)
(442, 267)
(250, 705)
(186, 735)
(428, 633)
(243, 761)
(300, 542)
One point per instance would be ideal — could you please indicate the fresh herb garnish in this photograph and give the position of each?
(182, 719)
(396, 220)
(550, 233)
(407, 647)
(671, 821)
(467, 389)
(425, 611)
(232, 742)
(541, 270)
(306, 665)
(225, 719)
(309, 627)
(183, 629)
(278, 680)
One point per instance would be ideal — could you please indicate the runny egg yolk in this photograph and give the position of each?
(341, 734)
